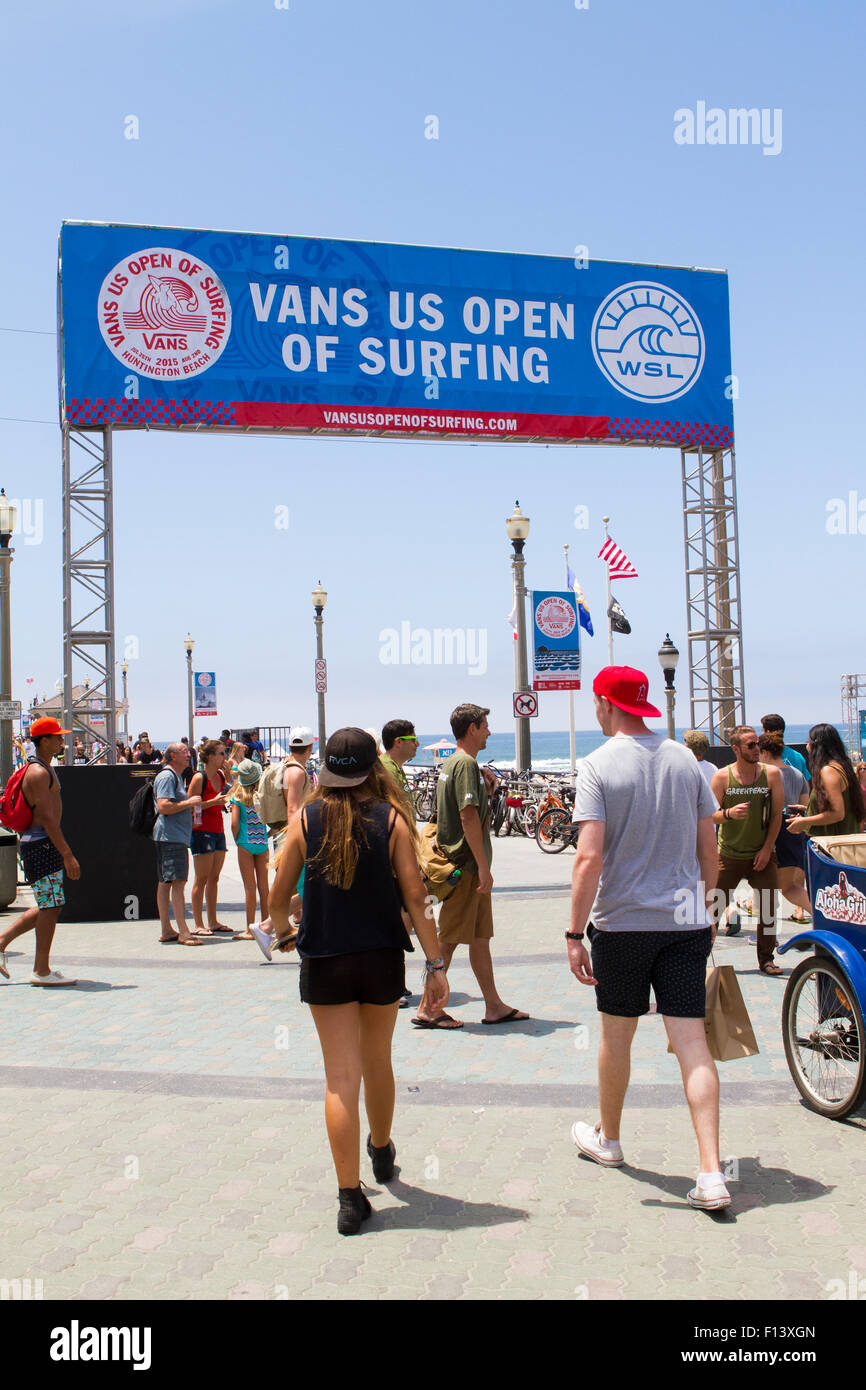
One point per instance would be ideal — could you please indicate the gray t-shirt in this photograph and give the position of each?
(793, 782)
(650, 793)
(176, 829)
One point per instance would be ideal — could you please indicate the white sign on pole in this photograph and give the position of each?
(10, 709)
(321, 676)
(525, 704)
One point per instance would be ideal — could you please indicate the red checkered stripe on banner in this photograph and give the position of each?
(677, 431)
(110, 411)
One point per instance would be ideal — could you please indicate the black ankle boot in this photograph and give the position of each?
(382, 1160)
(354, 1208)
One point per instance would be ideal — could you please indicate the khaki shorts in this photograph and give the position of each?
(466, 915)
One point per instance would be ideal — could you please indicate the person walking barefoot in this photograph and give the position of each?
(357, 848)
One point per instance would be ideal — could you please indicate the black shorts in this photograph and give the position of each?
(674, 963)
(39, 858)
(791, 849)
(364, 977)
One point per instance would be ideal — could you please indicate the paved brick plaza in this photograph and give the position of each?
(163, 1135)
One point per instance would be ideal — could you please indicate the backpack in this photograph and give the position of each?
(15, 811)
(270, 798)
(142, 808)
(439, 874)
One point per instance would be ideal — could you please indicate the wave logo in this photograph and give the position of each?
(648, 341)
(166, 302)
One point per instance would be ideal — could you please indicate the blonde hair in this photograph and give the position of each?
(246, 795)
(238, 753)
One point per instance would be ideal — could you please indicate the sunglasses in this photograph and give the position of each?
(753, 744)
(407, 738)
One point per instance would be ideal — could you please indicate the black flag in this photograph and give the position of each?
(618, 621)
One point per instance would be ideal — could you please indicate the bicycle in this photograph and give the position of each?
(556, 830)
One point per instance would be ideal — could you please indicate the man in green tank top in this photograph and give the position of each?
(751, 799)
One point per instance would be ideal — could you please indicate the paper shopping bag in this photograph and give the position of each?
(727, 1024)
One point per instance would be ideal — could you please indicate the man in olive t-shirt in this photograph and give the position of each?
(463, 834)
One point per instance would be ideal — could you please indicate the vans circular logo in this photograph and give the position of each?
(648, 341)
(163, 314)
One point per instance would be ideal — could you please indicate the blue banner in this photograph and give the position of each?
(555, 639)
(174, 329)
(204, 683)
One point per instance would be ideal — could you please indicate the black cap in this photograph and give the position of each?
(349, 756)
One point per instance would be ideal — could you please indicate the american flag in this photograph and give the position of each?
(619, 565)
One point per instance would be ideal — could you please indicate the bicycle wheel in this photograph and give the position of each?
(530, 819)
(822, 1027)
(553, 831)
(502, 818)
(424, 803)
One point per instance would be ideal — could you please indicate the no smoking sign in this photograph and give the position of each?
(525, 704)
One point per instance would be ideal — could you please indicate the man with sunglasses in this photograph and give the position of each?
(400, 743)
(751, 799)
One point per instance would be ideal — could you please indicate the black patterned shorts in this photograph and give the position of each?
(674, 963)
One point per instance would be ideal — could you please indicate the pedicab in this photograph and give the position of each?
(825, 998)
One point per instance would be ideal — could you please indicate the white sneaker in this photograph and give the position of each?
(53, 977)
(588, 1140)
(709, 1198)
(4, 968)
(265, 942)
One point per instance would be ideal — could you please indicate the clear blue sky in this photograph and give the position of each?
(555, 128)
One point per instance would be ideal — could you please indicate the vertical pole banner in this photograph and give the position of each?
(205, 693)
(555, 640)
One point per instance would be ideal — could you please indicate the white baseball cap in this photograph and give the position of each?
(302, 737)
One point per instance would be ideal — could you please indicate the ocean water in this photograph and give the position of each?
(550, 747)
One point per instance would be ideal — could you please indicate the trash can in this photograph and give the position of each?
(8, 866)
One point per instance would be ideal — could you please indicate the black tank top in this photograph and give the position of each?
(365, 917)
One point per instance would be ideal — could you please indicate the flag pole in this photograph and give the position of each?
(606, 519)
(571, 757)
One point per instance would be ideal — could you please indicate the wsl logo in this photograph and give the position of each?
(164, 314)
(648, 341)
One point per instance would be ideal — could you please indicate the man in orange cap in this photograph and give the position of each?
(44, 854)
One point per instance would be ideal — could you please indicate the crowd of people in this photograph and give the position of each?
(659, 827)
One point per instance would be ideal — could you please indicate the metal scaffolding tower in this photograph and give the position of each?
(712, 557)
(853, 700)
(88, 575)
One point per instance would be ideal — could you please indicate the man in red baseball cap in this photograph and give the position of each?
(44, 854)
(646, 863)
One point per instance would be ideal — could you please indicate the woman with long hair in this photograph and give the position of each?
(357, 848)
(208, 837)
(836, 805)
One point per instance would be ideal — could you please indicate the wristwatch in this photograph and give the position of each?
(431, 965)
(574, 936)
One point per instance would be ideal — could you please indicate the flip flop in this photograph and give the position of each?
(192, 941)
(445, 1022)
(222, 931)
(770, 970)
(515, 1016)
(167, 940)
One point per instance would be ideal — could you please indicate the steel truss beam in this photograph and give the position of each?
(88, 580)
(853, 700)
(712, 560)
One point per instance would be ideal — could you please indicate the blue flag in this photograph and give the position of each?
(582, 610)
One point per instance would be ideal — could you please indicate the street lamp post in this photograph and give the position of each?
(668, 658)
(517, 529)
(124, 668)
(8, 518)
(320, 598)
(188, 645)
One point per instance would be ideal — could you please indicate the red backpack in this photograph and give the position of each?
(15, 811)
